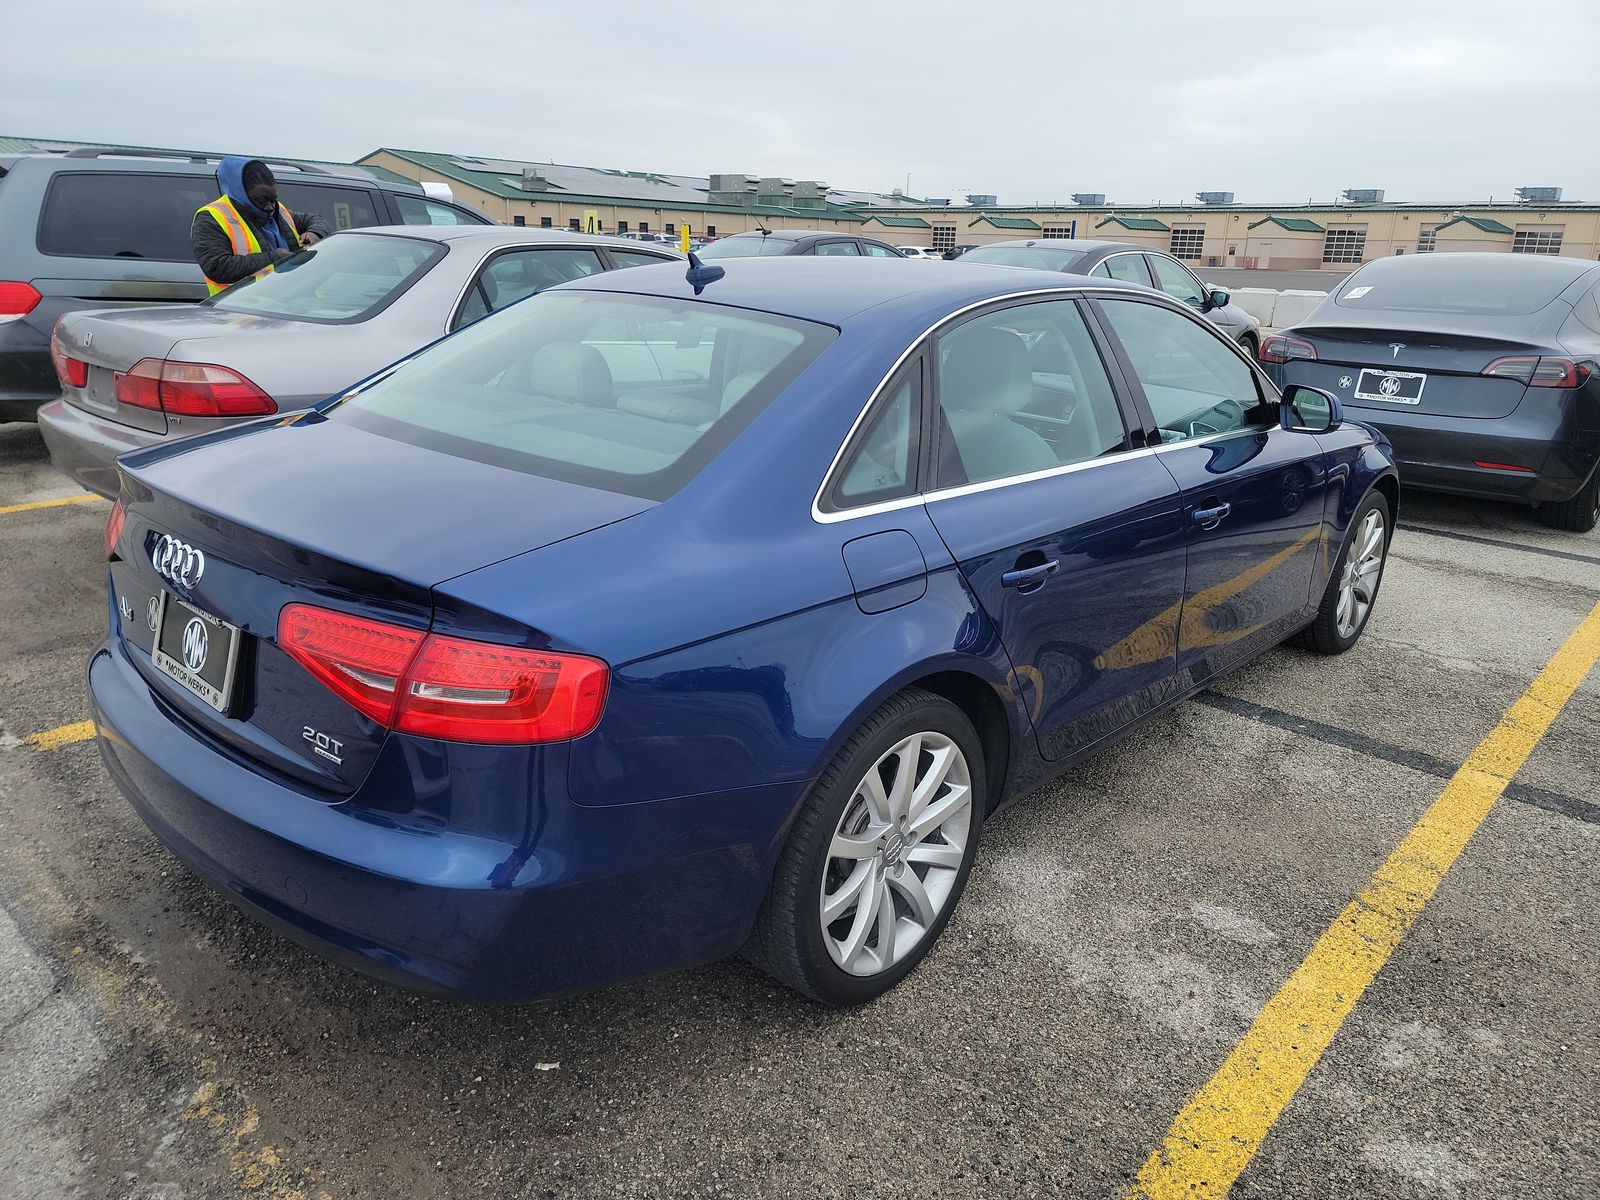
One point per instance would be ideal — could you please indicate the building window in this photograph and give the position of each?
(1536, 241)
(1188, 243)
(944, 237)
(574, 224)
(1056, 231)
(519, 219)
(1425, 240)
(672, 229)
(544, 222)
(711, 231)
(622, 227)
(1344, 245)
(644, 226)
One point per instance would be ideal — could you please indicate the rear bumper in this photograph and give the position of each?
(589, 896)
(27, 376)
(85, 446)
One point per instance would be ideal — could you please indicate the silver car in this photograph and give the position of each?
(1135, 264)
(325, 319)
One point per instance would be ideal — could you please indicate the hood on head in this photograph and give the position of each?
(230, 174)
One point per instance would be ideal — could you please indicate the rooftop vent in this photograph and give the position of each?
(1214, 197)
(940, 202)
(1088, 197)
(1364, 195)
(981, 201)
(533, 180)
(1539, 195)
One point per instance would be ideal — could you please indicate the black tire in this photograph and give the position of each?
(1250, 345)
(1579, 514)
(788, 941)
(1322, 636)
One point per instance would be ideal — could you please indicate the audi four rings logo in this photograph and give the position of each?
(177, 561)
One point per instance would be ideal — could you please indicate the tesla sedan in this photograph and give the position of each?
(529, 667)
(331, 315)
(1131, 264)
(1480, 368)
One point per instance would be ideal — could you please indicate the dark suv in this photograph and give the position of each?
(98, 228)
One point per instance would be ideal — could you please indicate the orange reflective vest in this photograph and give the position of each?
(241, 235)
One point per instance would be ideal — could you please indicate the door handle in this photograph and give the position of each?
(1028, 578)
(1210, 518)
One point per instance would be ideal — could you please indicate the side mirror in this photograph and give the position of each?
(1309, 410)
(1219, 299)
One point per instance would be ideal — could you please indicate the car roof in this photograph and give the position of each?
(833, 290)
(1078, 244)
(520, 235)
(182, 163)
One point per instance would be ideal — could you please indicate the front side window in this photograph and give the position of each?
(1177, 282)
(1129, 268)
(1195, 384)
(517, 274)
(1021, 390)
(415, 210)
(343, 279)
(847, 248)
(632, 394)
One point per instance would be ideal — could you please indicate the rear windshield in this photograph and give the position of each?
(1041, 257)
(629, 393)
(747, 247)
(347, 278)
(1494, 285)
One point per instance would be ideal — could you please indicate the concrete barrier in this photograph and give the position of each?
(1293, 307)
(1258, 302)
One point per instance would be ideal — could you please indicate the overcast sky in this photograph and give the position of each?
(1143, 100)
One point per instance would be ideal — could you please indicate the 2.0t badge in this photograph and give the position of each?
(177, 561)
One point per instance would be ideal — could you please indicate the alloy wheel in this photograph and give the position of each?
(896, 853)
(1358, 583)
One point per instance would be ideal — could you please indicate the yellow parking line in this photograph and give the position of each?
(63, 735)
(32, 504)
(1220, 1128)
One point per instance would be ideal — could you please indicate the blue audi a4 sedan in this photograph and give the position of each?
(662, 616)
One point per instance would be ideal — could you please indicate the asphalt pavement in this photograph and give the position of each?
(1123, 929)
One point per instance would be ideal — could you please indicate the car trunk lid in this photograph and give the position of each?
(1450, 365)
(235, 528)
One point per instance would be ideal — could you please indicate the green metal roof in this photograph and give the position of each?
(1149, 223)
(1484, 224)
(1005, 222)
(900, 222)
(1292, 224)
(495, 183)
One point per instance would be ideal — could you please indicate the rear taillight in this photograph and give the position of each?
(446, 687)
(18, 299)
(1276, 348)
(191, 390)
(73, 372)
(1547, 372)
(114, 524)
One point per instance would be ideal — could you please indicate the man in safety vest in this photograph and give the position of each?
(245, 232)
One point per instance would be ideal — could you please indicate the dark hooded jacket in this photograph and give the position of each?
(213, 249)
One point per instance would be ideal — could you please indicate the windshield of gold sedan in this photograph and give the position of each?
(343, 279)
(1042, 258)
(628, 393)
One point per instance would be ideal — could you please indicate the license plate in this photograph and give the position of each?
(197, 650)
(1391, 387)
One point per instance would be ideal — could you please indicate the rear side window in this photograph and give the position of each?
(638, 258)
(119, 214)
(1493, 285)
(879, 466)
(633, 394)
(345, 279)
(341, 207)
(517, 274)
(414, 210)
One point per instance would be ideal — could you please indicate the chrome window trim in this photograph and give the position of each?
(1114, 279)
(1145, 295)
(472, 275)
